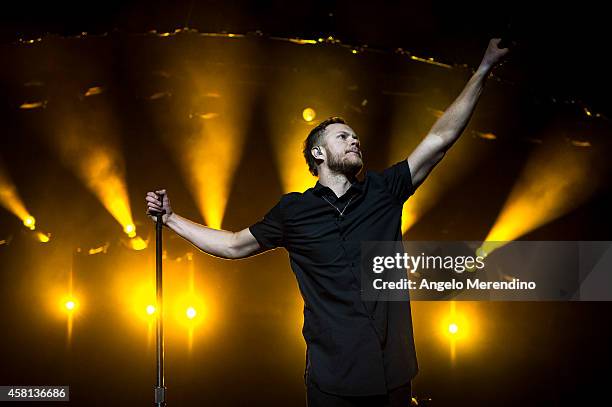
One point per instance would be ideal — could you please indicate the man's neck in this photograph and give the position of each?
(339, 183)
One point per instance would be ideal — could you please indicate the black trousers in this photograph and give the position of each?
(399, 397)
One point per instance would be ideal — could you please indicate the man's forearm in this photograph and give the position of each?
(212, 241)
(454, 120)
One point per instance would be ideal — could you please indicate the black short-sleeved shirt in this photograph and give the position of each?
(353, 347)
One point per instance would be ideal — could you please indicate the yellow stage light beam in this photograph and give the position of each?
(209, 161)
(150, 309)
(554, 181)
(219, 112)
(85, 138)
(191, 313)
(410, 125)
(102, 171)
(294, 173)
(291, 115)
(10, 200)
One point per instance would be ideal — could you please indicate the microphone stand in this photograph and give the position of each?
(160, 389)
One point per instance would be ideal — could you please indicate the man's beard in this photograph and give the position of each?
(344, 165)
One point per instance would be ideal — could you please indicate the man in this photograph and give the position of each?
(358, 352)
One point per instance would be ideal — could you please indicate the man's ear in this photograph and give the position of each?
(316, 153)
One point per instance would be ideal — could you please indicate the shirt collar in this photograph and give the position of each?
(319, 189)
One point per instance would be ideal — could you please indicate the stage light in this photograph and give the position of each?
(101, 249)
(191, 313)
(33, 105)
(70, 305)
(130, 229)
(138, 243)
(309, 114)
(209, 152)
(43, 238)
(150, 309)
(10, 199)
(30, 222)
(95, 90)
(93, 153)
(453, 328)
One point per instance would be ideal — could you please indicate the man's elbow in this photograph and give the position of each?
(230, 249)
(235, 248)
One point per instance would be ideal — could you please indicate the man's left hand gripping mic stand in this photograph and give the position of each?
(160, 389)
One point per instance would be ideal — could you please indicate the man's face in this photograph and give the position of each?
(342, 149)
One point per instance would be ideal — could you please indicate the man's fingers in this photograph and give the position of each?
(153, 199)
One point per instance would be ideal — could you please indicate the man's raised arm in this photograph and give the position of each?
(220, 243)
(451, 124)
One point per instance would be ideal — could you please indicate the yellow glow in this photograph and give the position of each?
(453, 320)
(9, 197)
(487, 136)
(459, 327)
(70, 304)
(30, 222)
(309, 114)
(293, 169)
(95, 90)
(552, 183)
(208, 116)
(137, 293)
(190, 309)
(43, 238)
(300, 41)
(138, 243)
(409, 128)
(578, 143)
(130, 230)
(430, 61)
(101, 249)
(33, 105)
(101, 175)
(87, 143)
(209, 155)
(288, 136)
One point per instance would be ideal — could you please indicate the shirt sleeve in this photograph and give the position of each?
(399, 180)
(269, 231)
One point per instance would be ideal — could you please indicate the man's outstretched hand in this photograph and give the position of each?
(494, 55)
